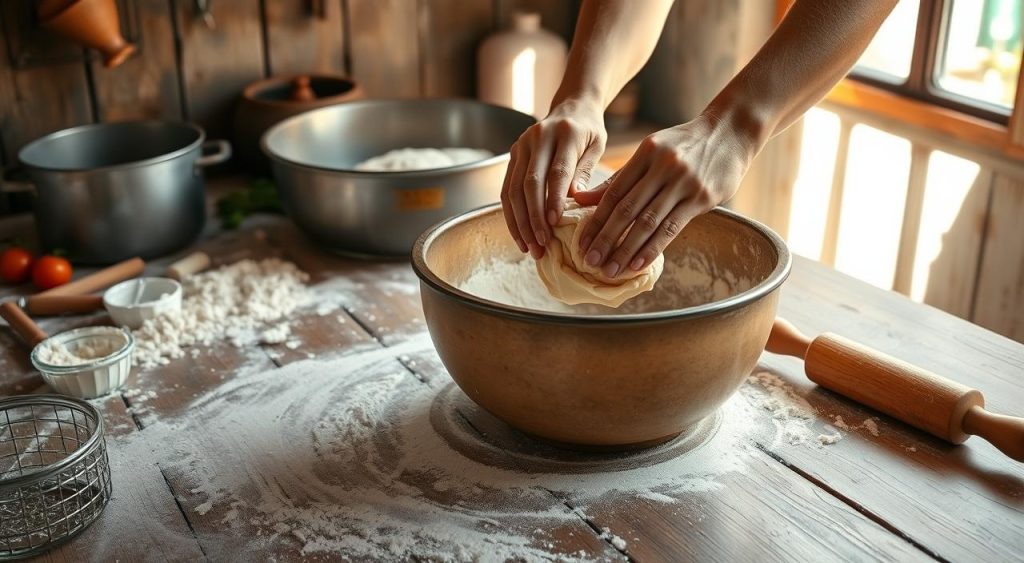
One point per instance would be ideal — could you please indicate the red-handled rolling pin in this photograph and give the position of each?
(23, 326)
(100, 280)
(916, 396)
(43, 305)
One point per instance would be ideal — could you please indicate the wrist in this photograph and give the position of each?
(577, 106)
(747, 120)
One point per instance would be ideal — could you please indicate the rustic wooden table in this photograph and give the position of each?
(327, 448)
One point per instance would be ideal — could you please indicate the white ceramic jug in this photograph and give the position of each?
(521, 67)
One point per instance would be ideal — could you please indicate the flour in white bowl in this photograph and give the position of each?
(400, 160)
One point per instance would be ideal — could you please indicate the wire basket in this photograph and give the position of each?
(54, 472)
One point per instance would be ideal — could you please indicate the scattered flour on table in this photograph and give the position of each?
(400, 160)
(234, 303)
(871, 426)
(357, 467)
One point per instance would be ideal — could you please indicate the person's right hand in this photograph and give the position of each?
(552, 159)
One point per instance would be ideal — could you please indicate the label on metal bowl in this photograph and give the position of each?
(419, 199)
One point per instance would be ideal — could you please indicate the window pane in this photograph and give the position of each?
(890, 51)
(874, 197)
(981, 56)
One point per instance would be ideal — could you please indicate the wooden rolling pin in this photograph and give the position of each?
(916, 396)
(100, 280)
(43, 305)
(23, 326)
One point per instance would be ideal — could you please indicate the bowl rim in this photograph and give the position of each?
(89, 366)
(277, 158)
(733, 302)
(56, 136)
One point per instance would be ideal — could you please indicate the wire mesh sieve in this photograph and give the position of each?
(54, 472)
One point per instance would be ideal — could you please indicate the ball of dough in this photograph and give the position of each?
(570, 280)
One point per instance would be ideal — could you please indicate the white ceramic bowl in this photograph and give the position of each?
(129, 307)
(92, 378)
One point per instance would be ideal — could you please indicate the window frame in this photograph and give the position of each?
(941, 112)
(922, 81)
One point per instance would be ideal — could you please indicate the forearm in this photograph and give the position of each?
(812, 49)
(614, 38)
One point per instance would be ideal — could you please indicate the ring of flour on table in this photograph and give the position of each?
(570, 280)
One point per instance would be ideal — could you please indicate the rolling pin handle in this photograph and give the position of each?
(786, 339)
(1004, 432)
(23, 326)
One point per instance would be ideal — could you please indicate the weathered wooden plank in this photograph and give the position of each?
(951, 235)
(38, 100)
(999, 296)
(770, 510)
(216, 64)
(911, 219)
(385, 49)
(146, 85)
(450, 32)
(915, 483)
(142, 522)
(299, 40)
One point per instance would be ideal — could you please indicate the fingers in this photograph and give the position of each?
(647, 223)
(585, 167)
(586, 198)
(506, 204)
(533, 195)
(666, 232)
(617, 217)
(560, 174)
(517, 200)
(612, 189)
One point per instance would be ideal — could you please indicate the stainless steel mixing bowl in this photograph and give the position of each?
(610, 379)
(382, 213)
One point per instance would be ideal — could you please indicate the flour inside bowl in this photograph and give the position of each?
(401, 160)
(102, 342)
(689, 279)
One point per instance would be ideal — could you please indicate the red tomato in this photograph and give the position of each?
(15, 265)
(51, 271)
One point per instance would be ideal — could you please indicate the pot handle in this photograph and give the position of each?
(9, 186)
(223, 152)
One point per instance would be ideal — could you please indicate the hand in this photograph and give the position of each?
(675, 175)
(553, 158)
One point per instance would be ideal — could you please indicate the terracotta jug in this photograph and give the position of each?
(521, 67)
(93, 23)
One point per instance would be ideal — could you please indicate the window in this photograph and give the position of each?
(961, 54)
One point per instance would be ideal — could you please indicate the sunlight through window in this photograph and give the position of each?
(874, 196)
(950, 181)
(813, 188)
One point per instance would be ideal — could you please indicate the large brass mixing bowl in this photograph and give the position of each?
(607, 378)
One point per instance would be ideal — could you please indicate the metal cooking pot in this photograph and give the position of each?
(110, 191)
(382, 213)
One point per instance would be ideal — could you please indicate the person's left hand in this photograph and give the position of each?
(675, 175)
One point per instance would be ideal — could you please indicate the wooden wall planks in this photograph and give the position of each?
(450, 31)
(216, 64)
(146, 85)
(384, 47)
(999, 301)
(301, 41)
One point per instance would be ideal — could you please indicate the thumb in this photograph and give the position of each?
(590, 197)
